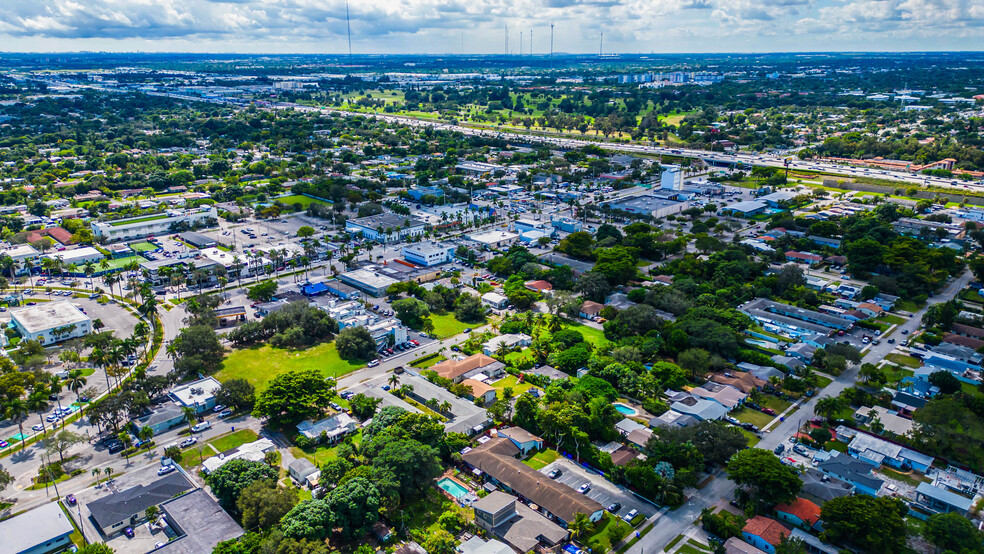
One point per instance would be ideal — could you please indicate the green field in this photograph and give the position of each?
(512, 382)
(447, 326)
(542, 459)
(592, 335)
(143, 246)
(259, 365)
(755, 417)
(118, 263)
(427, 361)
(902, 359)
(298, 199)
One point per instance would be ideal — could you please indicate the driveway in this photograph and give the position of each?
(602, 490)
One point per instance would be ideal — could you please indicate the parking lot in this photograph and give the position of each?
(603, 491)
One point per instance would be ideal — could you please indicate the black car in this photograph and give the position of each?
(615, 507)
(115, 447)
(780, 449)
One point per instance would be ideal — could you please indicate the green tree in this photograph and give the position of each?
(828, 406)
(766, 478)
(363, 407)
(581, 527)
(262, 292)
(355, 506)
(96, 548)
(355, 343)
(412, 464)
(469, 309)
(263, 504)
(945, 380)
(875, 525)
(311, 520)
(228, 481)
(952, 531)
(305, 231)
(411, 311)
(293, 396)
(440, 542)
(238, 394)
(198, 350)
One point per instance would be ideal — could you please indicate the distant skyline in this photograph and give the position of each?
(477, 26)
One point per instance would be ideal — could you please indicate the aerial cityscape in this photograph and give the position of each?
(431, 278)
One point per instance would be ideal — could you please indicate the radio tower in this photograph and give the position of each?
(348, 28)
(551, 40)
(521, 44)
(507, 40)
(601, 45)
(531, 43)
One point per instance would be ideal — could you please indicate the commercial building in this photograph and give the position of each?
(199, 394)
(496, 459)
(51, 322)
(515, 523)
(428, 253)
(747, 208)
(157, 224)
(792, 318)
(368, 281)
(197, 240)
(21, 253)
(119, 510)
(417, 193)
(39, 531)
(386, 227)
(78, 256)
(198, 522)
(161, 419)
(671, 178)
(648, 204)
(495, 300)
(495, 239)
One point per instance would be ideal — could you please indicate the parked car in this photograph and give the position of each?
(199, 427)
(373, 363)
(164, 470)
(780, 449)
(769, 411)
(631, 515)
(218, 408)
(614, 507)
(555, 473)
(128, 532)
(583, 489)
(188, 442)
(115, 447)
(225, 413)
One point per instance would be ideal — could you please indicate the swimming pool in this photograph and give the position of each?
(625, 410)
(452, 487)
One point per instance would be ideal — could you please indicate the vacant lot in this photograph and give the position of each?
(259, 365)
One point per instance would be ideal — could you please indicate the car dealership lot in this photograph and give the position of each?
(602, 491)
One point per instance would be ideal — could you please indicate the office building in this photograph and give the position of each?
(386, 227)
(39, 531)
(428, 253)
(155, 224)
(50, 322)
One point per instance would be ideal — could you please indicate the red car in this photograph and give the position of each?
(769, 411)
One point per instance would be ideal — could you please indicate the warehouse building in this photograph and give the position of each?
(51, 322)
(157, 224)
(383, 228)
(649, 205)
(368, 281)
(197, 240)
(428, 253)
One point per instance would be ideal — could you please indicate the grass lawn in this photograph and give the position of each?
(836, 445)
(908, 306)
(904, 360)
(894, 373)
(259, 365)
(143, 246)
(776, 403)
(592, 335)
(117, 223)
(428, 361)
(542, 459)
(298, 199)
(118, 263)
(968, 388)
(322, 454)
(421, 515)
(233, 440)
(76, 536)
(822, 381)
(512, 382)
(447, 326)
(753, 439)
(892, 319)
(755, 417)
(599, 541)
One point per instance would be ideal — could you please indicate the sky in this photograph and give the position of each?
(479, 26)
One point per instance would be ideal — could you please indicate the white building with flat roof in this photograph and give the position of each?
(154, 224)
(51, 322)
(428, 253)
(78, 256)
(199, 394)
(495, 239)
(370, 282)
(21, 253)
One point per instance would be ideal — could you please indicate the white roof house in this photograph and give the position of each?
(198, 394)
(495, 300)
(333, 426)
(510, 340)
(51, 322)
(253, 451)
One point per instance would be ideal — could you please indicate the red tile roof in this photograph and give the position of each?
(768, 529)
(803, 509)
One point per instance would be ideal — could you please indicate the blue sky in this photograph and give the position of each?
(477, 26)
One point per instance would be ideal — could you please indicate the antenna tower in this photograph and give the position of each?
(348, 28)
(551, 39)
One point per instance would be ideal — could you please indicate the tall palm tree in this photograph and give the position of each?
(190, 416)
(95, 473)
(394, 380)
(581, 527)
(75, 382)
(89, 269)
(17, 411)
(37, 402)
(828, 406)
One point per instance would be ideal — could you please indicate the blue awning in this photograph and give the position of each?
(314, 289)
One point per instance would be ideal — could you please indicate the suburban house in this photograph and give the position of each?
(852, 471)
(936, 500)
(515, 523)
(729, 397)
(333, 427)
(495, 300)
(511, 341)
(199, 395)
(123, 509)
(480, 389)
(525, 441)
(540, 286)
(742, 380)
(254, 451)
(478, 545)
(820, 487)
(590, 309)
(302, 471)
(764, 533)
(800, 512)
(734, 545)
(890, 420)
(496, 459)
(803, 257)
(459, 370)
(700, 408)
(877, 451)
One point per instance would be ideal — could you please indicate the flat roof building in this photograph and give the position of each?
(197, 240)
(368, 281)
(199, 523)
(428, 253)
(51, 322)
(495, 239)
(648, 204)
(126, 508)
(154, 224)
(199, 394)
(78, 256)
(385, 227)
(39, 531)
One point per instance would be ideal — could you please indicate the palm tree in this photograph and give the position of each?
(394, 380)
(828, 406)
(445, 407)
(89, 269)
(190, 416)
(581, 527)
(95, 473)
(17, 411)
(38, 402)
(108, 471)
(75, 382)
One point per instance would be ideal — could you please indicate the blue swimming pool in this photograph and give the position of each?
(452, 487)
(625, 410)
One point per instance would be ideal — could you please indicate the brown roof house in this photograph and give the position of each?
(459, 370)
(741, 380)
(590, 309)
(496, 459)
(539, 286)
(764, 533)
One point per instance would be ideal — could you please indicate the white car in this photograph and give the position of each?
(199, 427)
(188, 442)
(583, 489)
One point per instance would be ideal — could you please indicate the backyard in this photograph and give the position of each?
(256, 364)
(447, 326)
(755, 417)
(542, 459)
